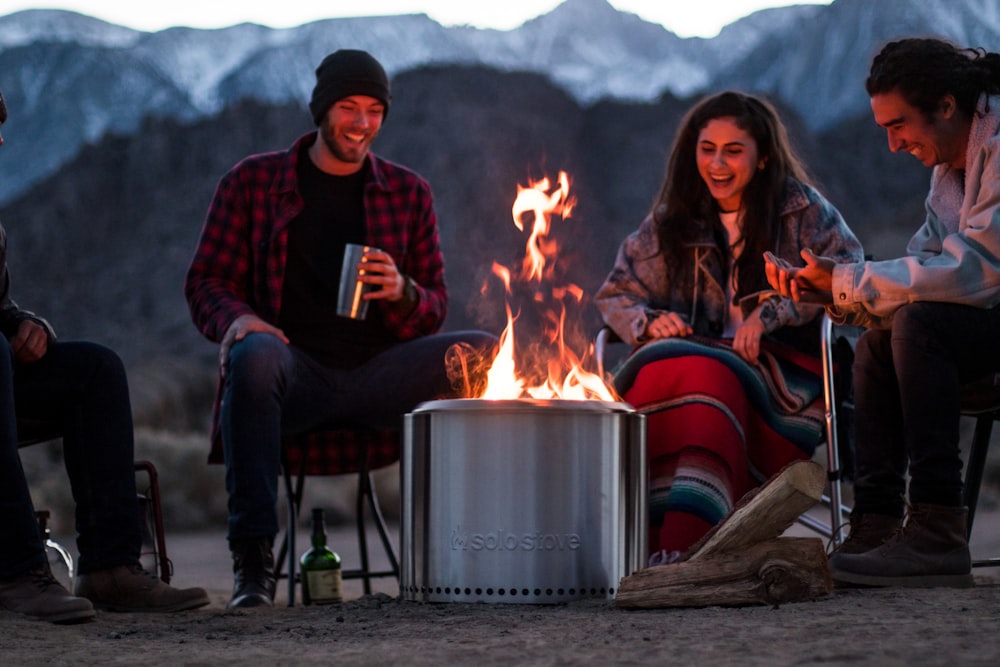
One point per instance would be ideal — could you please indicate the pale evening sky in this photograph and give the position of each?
(683, 17)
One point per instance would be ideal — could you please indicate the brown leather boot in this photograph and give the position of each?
(867, 532)
(130, 588)
(931, 549)
(36, 593)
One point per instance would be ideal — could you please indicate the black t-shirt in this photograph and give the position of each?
(334, 215)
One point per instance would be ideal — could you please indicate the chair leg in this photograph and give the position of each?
(976, 465)
(163, 562)
(366, 492)
(383, 530)
(974, 468)
(364, 488)
(293, 496)
(834, 530)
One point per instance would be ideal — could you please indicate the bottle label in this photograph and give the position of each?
(324, 586)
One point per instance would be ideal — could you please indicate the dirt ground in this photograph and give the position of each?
(871, 626)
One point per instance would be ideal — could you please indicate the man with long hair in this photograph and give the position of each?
(934, 317)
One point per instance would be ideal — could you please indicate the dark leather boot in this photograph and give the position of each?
(253, 567)
(867, 532)
(931, 549)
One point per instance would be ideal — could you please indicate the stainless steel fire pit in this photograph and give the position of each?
(523, 501)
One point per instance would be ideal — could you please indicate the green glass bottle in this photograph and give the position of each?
(320, 567)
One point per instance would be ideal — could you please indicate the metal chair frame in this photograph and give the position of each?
(834, 499)
(984, 415)
(34, 434)
(366, 496)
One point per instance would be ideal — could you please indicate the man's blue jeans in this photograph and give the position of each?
(907, 407)
(273, 389)
(80, 388)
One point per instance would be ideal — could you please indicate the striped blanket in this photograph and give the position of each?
(786, 388)
(716, 426)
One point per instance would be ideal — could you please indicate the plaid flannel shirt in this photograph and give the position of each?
(239, 262)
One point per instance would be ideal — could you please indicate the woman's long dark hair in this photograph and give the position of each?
(924, 70)
(684, 203)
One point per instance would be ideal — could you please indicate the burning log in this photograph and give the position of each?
(743, 560)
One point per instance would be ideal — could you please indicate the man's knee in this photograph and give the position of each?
(920, 320)
(103, 357)
(259, 357)
(873, 343)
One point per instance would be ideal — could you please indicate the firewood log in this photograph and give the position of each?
(785, 569)
(744, 560)
(769, 512)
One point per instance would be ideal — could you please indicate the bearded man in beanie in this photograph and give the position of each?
(263, 284)
(80, 390)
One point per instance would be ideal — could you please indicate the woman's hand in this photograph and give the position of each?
(667, 325)
(746, 342)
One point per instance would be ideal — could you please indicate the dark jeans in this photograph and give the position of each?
(907, 408)
(80, 389)
(273, 389)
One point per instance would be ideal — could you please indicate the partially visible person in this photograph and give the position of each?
(263, 284)
(725, 369)
(79, 389)
(934, 316)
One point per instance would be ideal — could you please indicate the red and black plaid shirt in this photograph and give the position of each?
(239, 262)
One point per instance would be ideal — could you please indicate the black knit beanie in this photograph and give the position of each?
(344, 73)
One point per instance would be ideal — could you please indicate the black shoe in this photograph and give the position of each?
(253, 567)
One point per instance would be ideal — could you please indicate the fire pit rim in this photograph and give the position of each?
(523, 404)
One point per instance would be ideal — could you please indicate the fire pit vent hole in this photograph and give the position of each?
(468, 593)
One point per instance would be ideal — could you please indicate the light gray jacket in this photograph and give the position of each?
(954, 257)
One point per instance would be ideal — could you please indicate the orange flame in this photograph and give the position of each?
(559, 369)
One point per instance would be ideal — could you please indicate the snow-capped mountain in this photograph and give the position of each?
(69, 79)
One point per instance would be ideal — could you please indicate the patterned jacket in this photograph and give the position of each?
(638, 288)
